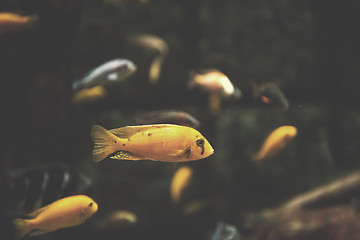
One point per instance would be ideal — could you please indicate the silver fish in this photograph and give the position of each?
(225, 231)
(115, 70)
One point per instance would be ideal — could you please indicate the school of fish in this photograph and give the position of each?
(161, 135)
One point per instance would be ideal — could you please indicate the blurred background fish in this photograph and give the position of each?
(217, 84)
(213, 81)
(87, 95)
(118, 219)
(12, 22)
(270, 93)
(31, 188)
(225, 231)
(180, 181)
(276, 141)
(113, 71)
(167, 116)
(156, 46)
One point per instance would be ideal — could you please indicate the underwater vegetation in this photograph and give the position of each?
(206, 120)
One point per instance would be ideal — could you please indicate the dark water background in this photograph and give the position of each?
(309, 48)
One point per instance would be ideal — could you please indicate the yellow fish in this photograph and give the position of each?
(89, 95)
(159, 142)
(278, 139)
(154, 44)
(179, 182)
(66, 212)
(10, 22)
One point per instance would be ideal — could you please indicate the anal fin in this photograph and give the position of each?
(125, 155)
(37, 232)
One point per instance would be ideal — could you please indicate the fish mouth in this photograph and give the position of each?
(133, 68)
(94, 208)
(211, 152)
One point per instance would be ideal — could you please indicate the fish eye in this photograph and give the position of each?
(200, 142)
(90, 205)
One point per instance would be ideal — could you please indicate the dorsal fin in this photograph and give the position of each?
(36, 213)
(128, 131)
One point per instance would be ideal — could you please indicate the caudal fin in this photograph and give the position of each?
(22, 228)
(33, 21)
(104, 143)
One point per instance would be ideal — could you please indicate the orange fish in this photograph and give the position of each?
(87, 95)
(159, 142)
(179, 182)
(10, 22)
(277, 140)
(66, 212)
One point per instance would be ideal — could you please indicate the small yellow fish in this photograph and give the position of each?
(179, 182)
(66, 212)
(10, 22)
(159, 142)
(87, 95)
(278, 139)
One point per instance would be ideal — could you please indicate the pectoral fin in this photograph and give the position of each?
(35, 213)
(37, 232)
(125, 155)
